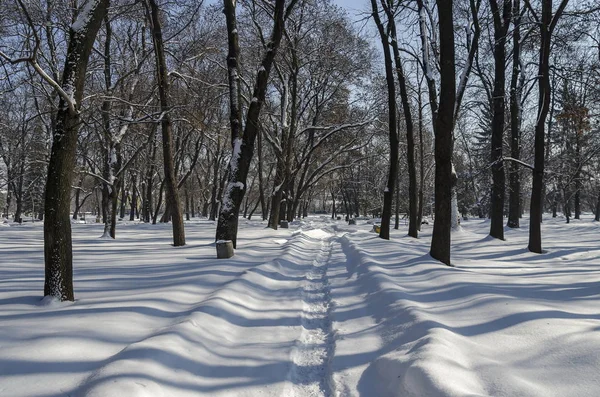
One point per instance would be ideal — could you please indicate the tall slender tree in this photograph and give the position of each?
(501, 18)
(388, 193)
(444, 142)
(547, 23)
(413, 228)
(516, 85)
(243, 143)
(162, 76)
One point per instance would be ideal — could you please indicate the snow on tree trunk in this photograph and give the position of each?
(58, 253)
(243, 147)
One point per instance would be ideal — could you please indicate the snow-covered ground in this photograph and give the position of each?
(320, 309)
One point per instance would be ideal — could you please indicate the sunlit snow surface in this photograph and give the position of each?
(320, 309)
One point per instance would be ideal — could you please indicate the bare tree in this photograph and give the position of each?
(58, 252)
(547, 23)
(388, 193)
(243, 143)
(501, 20)
(162, 75)
(444, 142)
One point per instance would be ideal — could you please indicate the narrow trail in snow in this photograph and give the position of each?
(311, 358)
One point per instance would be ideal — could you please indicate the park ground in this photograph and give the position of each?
(320, 309)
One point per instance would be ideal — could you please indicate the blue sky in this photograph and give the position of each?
(353, 5)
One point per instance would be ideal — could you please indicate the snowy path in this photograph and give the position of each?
(275, 318)
(311, 358)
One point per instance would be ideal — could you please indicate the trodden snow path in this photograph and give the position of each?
(267, 331)
(311, 357)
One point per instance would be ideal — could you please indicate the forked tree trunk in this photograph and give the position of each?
(58, 253)
(243, 146)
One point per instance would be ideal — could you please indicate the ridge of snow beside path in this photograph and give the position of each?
(504, 322)
(131, 293)
(237, 342)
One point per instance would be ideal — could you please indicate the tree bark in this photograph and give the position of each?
(597, 214)
(243, 146)
(173, 203)
(501, 23)
(421, 162)
(58, 252)
(261, 184)
(388, 193)
(547, 24)
(134, 196)
(413, 215)
(444, 142)
(577, 177)
(514, 198)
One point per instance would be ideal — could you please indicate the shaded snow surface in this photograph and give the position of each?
(320, 309)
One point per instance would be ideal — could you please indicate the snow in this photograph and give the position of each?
(233, 166)
(321, 309)
(85, 15)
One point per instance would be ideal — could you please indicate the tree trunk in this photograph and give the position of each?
(501, 23)
(397, 220)
(159, 202)
(421, 162)
(187, 203)
(261, 184)
(597, 217)
(514, 198)
(58, 253)
(77, 205)
(148, 185)
(214, 205)
(19, 195)
(578, 165)
(192, 205)
(163, 90)
(277, 195)
(124, 195)
(444, 143)
(8, 201)
(134, 197)
(243, 146)
(535, 213)
(388, 193)
(413, 215)
(333, 210)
